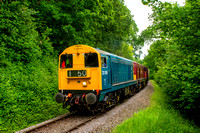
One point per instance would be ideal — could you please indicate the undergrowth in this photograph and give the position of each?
(27, 94)
(160, 117)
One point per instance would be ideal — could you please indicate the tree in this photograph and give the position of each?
(175, 55)
(20, 41)
(104, 24)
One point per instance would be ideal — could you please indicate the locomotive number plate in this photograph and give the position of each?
(77, 73)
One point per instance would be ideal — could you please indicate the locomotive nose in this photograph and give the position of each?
(59, 98)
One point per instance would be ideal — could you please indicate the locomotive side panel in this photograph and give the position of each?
(122, 70)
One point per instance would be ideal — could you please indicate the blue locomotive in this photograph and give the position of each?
(92, 79)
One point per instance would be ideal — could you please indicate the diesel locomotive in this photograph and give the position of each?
(92, 79)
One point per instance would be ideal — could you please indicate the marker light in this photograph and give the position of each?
(84, 84)
(97, 91)
(69, 95)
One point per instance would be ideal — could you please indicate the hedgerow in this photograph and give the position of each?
(27, 94)
(174, 57)
(28, 80)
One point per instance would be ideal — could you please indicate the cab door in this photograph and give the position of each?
(105, 71)
(109, 71)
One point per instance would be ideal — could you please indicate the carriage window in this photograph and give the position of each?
(103, 62)
(91, 60)
(66, 61)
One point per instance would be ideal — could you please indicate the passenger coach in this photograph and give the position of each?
(93, 79)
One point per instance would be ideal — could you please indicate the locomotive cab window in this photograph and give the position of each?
(91, 60)
(103, 62)
(66, 61)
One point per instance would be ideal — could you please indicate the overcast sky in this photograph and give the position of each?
(141, 12)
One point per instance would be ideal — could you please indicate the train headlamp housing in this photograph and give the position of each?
(84, 84)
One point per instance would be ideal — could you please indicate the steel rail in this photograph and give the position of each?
(82, 123)
(31, 128)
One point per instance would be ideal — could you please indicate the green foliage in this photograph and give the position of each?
(27, 93)
(126, 51)
(33, 33)
(156, 56)
(28, 80)
(103, 24)
(146, 2)
(19, 38)
(174, 56)
(180, 80)
(159, 117)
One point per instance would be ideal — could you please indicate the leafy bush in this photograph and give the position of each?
(28, 80)
(27, 93)
(20, 41)
(174, 57)
(181, 82)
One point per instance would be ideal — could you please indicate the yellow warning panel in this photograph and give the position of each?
(84, 72)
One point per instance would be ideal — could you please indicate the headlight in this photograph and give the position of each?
(84, 84)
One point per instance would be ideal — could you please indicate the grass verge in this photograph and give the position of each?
(160, 117)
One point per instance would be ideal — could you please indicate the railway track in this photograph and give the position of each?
(46, 124)
(77, 122)
(82, 123)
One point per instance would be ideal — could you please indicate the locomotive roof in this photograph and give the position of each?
(107, 53)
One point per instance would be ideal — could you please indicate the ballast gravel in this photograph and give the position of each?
(107, 121)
